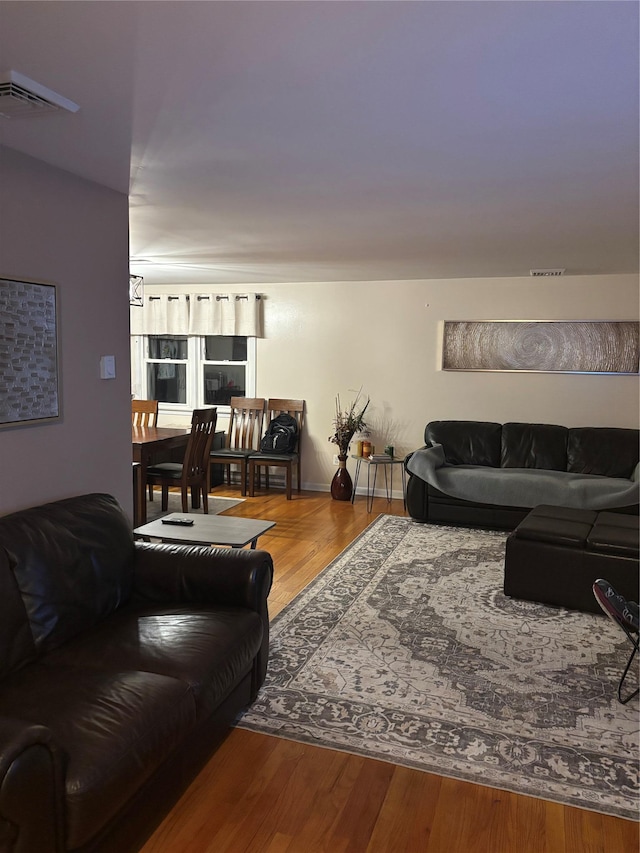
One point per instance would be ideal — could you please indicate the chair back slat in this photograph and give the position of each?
(245, 422)
(144, 413)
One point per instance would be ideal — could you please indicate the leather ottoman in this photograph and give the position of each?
(556, 553)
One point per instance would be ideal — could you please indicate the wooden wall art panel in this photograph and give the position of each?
(555, 346)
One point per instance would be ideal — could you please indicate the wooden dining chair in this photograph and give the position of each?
(246, 419)
(288, 461)
(144, 413)
(193, 472)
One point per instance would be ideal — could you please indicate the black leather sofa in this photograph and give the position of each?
(519, 455)
(123, 664)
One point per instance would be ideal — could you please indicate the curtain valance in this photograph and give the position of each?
(199, 314)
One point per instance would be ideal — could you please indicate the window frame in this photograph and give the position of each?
(195, 364)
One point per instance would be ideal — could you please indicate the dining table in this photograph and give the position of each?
(148, 442)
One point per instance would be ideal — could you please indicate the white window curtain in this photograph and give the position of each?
(199, 314)
(161, 315)
(225, 314)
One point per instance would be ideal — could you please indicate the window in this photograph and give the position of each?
(224, 368)
(186, 372)
(167, 361)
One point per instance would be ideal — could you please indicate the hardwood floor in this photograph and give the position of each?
(260, 794)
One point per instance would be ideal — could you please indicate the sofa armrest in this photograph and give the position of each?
(232, 577)
(31, 789)
(417, 497)
(198, 574)
(424, 462)
(410, 454)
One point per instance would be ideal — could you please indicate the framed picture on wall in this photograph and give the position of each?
(542, 346)
(29, 368)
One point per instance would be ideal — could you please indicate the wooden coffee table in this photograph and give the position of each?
(207, 530)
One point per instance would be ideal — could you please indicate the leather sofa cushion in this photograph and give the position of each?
(16, 643)
(534, 446)
(608, 451)
(87, 550)
(115, 729)
(467, 442)
(210, 649)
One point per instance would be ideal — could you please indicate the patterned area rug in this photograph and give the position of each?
(405, 649)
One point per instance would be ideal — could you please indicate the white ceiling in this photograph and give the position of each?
(310, 141)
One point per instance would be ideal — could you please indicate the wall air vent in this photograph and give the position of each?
(547, 272)
(21, 97)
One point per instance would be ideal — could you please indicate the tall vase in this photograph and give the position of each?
(341, 485)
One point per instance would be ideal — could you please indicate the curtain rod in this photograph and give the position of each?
(200, 297)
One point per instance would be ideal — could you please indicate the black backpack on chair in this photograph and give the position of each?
(281, 435)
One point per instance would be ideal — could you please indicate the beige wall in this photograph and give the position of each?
(58, 228)
(320, 339)
(326, 338)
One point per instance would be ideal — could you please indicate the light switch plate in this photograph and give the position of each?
(108, 367)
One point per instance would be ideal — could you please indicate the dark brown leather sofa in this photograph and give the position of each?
(511, 454)
(122, 666)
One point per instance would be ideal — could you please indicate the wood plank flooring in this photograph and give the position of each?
(260, 794)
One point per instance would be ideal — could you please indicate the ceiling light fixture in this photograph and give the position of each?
(21, 97)
(136, 290)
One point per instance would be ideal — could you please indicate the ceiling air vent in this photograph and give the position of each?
(21, 97)
(547, 272)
